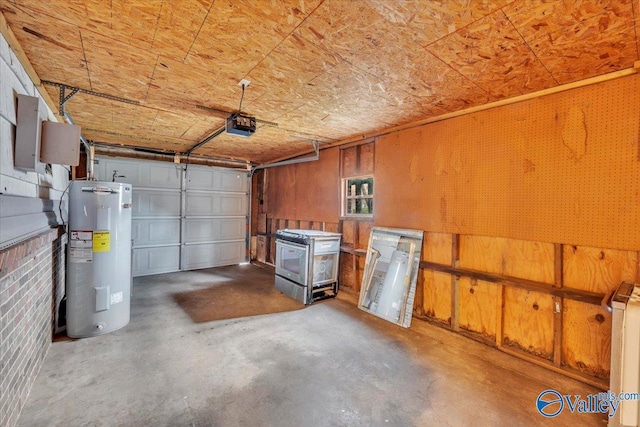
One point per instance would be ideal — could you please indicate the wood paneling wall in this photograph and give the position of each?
(305, 191)
(531, 215)
(561, 168)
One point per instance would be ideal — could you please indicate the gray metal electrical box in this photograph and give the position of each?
(31, 112)
(60, 144)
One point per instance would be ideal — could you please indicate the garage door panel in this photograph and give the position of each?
(181, 219)
(233, 181)
(231, 253)
(164, 176)
(203, 204)
(213, 254)
(141, 173)
(206, 230)
(155, 203)
(132, 172)
(216, 179)
(233, 204)
(156, 260)
(155, 231)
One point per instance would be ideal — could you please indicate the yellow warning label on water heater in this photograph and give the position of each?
(101, 241)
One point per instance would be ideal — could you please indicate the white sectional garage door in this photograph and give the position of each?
(183, 218)
(215, 217)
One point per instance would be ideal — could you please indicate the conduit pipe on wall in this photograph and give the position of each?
(313, 158)
(87, 149)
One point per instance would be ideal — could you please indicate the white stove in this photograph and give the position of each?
(307, 264)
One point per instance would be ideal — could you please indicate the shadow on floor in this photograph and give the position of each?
(237, 298)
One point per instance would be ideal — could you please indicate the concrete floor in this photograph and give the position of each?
(328, 364)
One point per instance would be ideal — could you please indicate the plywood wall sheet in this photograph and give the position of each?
(364, 233)
(349, 229)
(478, 308)
(483, 253)
(554, 29)
(281, 193)
(367, 158)
(586, 338)
(528, 321)
(504, 66)
(347, 272)
(318, 187)
(400, 181)
(437, 295)
(360, 271)
(553, 169)
(349, 160)
(529, 260)
(305, 225)
(436, 247)
(517, 258)
(44, 39)
(597, 270)
(636, 12)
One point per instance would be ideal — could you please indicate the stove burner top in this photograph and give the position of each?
(303, 236)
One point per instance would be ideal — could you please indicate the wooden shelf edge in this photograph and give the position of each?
(564, 292)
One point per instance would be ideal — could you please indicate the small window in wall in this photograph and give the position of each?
(357, 196)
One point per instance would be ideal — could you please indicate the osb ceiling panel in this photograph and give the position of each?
(324, 70)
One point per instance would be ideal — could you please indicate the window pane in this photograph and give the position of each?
(358, 199)
(360, 187)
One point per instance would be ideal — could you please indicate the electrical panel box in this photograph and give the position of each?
(30, 114)
(60, 144)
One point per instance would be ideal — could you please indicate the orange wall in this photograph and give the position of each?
(306, 191)
(563, 168)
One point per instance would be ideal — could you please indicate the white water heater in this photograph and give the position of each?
(98, 258)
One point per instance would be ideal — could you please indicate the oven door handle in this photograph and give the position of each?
(295, 245)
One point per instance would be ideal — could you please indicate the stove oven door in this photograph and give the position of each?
(292, 260)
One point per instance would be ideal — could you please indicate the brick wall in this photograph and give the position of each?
(31, 273)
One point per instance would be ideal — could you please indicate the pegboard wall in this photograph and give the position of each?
(562, 168)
